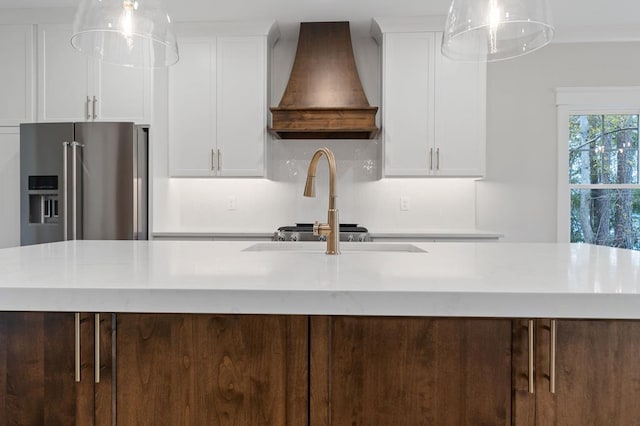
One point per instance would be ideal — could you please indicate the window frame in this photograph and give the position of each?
(586, 101)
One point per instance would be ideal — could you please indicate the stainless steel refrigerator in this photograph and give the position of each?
(83, 181)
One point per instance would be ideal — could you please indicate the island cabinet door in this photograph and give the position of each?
(410, 371)
(38, 369)
(211, 370)
(596, 375)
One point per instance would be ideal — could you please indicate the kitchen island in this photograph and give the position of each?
(246, 333)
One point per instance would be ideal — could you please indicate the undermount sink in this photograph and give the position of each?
(320, 247)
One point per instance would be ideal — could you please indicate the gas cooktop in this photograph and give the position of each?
(304, 232)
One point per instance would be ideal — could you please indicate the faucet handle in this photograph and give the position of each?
(321, 229)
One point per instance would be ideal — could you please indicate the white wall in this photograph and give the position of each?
(518, 196)
(9, 187)
(200, 205)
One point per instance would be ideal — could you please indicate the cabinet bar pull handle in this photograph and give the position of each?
(437, 158)
(213, 160)
(219, 160)
(96, 336)
(430, 158)
(531, 356)
(87, 108)
(65, 187)
(77, 347)
(552, 356)
(94, 107)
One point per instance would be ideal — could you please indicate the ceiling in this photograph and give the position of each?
(575, 20)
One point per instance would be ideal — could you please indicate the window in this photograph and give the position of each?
(599, 166)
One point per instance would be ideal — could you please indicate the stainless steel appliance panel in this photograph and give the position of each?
(108, 158)
(42, 211)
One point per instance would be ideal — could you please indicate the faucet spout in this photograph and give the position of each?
(330, 230)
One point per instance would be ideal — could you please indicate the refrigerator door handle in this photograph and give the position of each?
(74, 189)
(65, 190)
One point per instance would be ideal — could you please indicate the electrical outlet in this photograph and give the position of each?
(404, 203)
(232, 202)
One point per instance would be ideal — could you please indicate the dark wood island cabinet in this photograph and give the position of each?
(597, 374)
(195, 369)
(183, 369)
(37, 369)
(410, 371)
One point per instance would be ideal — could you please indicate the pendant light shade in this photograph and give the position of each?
(135, 33)
(492, 30)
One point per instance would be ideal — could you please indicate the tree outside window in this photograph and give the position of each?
(604, 190)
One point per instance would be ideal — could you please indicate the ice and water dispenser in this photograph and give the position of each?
(43, 199)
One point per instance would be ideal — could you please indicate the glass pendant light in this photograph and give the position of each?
(492, 30)
(135, 33)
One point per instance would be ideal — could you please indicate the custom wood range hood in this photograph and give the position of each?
(324, 98)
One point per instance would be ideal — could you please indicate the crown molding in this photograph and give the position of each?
(596, 34)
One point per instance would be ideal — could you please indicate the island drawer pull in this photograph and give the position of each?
(531, 357)
(96, 335)
(552, 356)
(77, 346)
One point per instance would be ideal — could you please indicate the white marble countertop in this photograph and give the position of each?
(448, 279)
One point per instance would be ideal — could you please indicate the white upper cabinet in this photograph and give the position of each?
(122, 93)
(218, 101)
(241, 108)
(460, 116)
(63, 77)
(433, 109)
(408, 103)
(192, 101)
(74, 87)
(16, 74)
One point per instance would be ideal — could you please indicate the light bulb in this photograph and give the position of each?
(494, 19)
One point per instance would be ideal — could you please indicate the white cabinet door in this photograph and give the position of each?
(241, 104)
(63, 76)
(408, 103)
(10, 186)
(122, 93)
(460, 117)
(16, 74)
(192, 100)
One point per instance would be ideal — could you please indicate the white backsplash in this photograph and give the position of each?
(201, 205)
